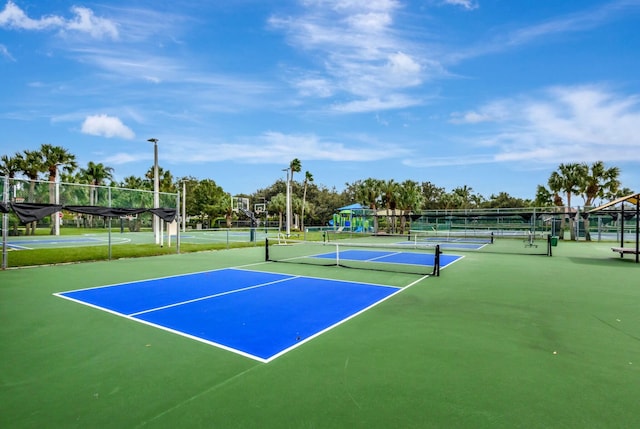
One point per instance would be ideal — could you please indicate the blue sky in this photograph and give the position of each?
(492, 94)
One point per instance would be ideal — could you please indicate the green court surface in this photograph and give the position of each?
(499, 340)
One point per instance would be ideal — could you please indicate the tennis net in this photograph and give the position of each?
(401, 258)
(522, 242)
(450, 236)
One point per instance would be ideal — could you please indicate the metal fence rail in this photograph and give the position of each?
(18, 190)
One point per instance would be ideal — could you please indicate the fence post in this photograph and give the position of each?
(5, 222)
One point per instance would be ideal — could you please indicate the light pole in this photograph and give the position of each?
(184, 206)
(156, 190)
(288, 209)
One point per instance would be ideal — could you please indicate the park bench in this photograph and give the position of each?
(625, 250)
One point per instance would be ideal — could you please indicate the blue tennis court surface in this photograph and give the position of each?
(256, 314)
(393, 257)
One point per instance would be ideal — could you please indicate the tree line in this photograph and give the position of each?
(311, 203)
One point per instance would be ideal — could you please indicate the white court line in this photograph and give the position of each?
(386, 255)
(176, 304)
(16, 247)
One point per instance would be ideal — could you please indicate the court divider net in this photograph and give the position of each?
(449, 236)
(406, 257)
(513, 242)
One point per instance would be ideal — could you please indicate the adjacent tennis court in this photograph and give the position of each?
(27, 243)
(125, 237)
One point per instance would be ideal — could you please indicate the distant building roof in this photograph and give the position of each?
(352, 207)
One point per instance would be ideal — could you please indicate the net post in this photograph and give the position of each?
(491, 237)
(266, 249)
(549, 251)
(436, 262)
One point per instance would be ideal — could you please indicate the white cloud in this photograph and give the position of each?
(360, 51)
(469, 118)
(354, 5)
(84, 21)
(369, 22)
(466, 4)
(403, 70)
(570, 23)
(581, 21)
(4, 52)
(124, 158)
(376, 104)
(448, 161)
(314, 86)
(273, 147)
(106, 126)
(13, 17)
(577, 124)
(491, 112)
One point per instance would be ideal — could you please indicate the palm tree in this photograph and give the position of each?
(56, 158)
(132, 182)
(308, 177)
(132, 197)
(568, 179)
(278, 204)
(464, 196)
(600, 182)
(449, 201)
(10, 165)
(31, 165)
(368, 194)
(165, 183)
(96, 175)
(409, 199)
(431, 195)
(544, 198)
(390, 191)
(295, 166)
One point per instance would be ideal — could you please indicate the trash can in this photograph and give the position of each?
(554, 240)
